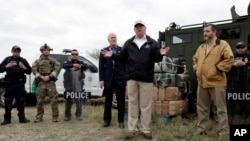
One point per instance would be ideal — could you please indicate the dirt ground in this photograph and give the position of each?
(89, 129)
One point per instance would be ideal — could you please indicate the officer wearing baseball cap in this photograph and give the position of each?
(16, 48)
(15, 67)
(237, 79)
(240, 44)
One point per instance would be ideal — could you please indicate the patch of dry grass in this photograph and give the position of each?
(90, 128)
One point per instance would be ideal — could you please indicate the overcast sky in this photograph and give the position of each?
(84, 24)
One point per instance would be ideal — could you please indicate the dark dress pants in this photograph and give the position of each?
(119, 90)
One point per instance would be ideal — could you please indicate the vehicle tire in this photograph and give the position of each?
(2, 103)
(114, 101)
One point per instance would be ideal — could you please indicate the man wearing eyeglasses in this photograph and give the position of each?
(15, 67)
(238, 82)
(73, 84)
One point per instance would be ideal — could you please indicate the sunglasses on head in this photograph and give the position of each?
(74, 54)
(238, 47)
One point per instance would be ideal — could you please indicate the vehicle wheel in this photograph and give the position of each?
(2, 92)
(114, 101)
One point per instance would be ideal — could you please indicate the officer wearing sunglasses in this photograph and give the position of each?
(73, 83)
(238, 81)
(15, 67)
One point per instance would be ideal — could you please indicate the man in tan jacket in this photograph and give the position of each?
(210, 62)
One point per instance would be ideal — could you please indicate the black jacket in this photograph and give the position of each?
(68, 75)
(238, 78)
(15, 73)
(109, 71)
(140, 62)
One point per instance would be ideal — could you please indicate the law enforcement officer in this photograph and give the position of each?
(15, 67)
(46, 70)
(73, 84)
(238, 82)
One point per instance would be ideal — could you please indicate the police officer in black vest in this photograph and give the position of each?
(15, 67)
(238, 81)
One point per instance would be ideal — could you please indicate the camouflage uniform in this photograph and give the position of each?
(46, 66)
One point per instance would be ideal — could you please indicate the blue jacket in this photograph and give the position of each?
(108, 70)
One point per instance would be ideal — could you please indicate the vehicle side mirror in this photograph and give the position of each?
(93, 68)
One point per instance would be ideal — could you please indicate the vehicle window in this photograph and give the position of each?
(60, 58)
(229, 33)
(85, 61)
(181, 38)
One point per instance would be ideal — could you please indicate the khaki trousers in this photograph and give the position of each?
(207, 96)
(140, 95)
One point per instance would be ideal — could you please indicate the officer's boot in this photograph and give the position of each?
(20, 108)
(7, 114)
(68, 104)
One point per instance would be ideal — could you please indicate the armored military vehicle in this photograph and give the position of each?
(184, 40)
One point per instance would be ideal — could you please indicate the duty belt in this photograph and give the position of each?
(14, 80)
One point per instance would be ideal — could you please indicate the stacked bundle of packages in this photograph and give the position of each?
(168, 101)
(169, 97)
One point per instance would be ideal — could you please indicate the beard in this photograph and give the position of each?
(207, 38)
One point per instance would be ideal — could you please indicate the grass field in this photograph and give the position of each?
(90, 128)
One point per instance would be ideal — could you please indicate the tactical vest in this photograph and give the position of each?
(15, 74)
(45, 66)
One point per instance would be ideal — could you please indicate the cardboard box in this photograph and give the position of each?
(155, 93)
(165, 108)
(177, 107)
(157, 107)
(161, 94)
(172, 93)
(153, 107)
